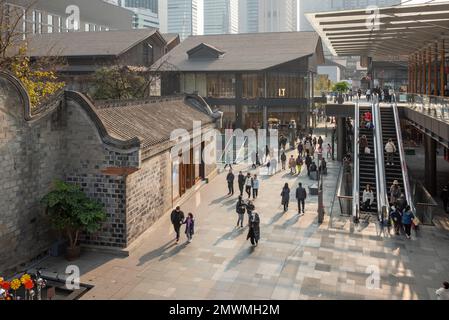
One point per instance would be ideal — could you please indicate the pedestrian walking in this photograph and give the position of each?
(367, 198)
(292, 165)
(301, 196)
(177, 219)
(308, 163)
(300, 148)
(240, 208)
(285, 197)
(396, 217)
(228, 159)
(443, 292)
(230, 179)
(254, 229)
(190, 226)
(299, 163)
(445, 197)
(256, 185)
(407, 220)
(283, 159)
(320, 142)
(395, 192)
(241, 182)
(248, 184)
(249, 210)
(329, 151)
(390, 150)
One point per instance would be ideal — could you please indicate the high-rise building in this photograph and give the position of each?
(47, 16)
(277, 15)
(184, 17)
(221, 16)
(145, 12)
(248, 16)
(268, 15)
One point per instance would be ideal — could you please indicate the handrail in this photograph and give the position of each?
(356, 178)
(380, 161)
(376, 152)
(407, 191)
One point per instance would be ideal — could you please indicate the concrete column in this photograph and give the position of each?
(430, 180)
(341, 136)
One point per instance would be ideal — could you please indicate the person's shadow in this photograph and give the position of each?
(156, 253)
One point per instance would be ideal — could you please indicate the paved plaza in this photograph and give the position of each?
(297, 258)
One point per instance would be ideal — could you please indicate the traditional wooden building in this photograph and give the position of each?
(250, 77)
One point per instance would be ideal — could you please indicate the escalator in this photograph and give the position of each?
(367, 164)
(389, 131)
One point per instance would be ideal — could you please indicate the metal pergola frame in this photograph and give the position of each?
(398, 31)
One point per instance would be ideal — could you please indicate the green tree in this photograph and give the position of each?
(71, 211)
(118, 83)
(38, 77)
(341, 87)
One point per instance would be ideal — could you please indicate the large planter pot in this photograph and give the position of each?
(72, 253)
(340, 100)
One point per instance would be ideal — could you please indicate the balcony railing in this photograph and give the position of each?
(434, 106)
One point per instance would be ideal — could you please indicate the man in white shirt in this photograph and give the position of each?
(443, 292)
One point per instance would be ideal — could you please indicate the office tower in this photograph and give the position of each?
(221, 16)
(184, 17)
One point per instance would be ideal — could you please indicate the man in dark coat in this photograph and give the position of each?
(254, 229)
(177, 219)
(241, 181)
(308, 163)
(230, 179)
(301, 195)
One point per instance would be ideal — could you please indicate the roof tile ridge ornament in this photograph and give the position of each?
(106, 104)
(89, 108)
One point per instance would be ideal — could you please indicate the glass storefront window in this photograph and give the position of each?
(220, 85)
(253, 86)
(285, 85)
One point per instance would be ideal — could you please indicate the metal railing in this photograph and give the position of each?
(433, 106)
(356, 165)
(405, 175)
(382, 196)
(424, 203)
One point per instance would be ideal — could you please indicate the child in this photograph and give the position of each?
(190, 227)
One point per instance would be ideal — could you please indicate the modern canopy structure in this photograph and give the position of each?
(418, 34)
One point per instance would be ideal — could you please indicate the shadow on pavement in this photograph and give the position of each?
(230, 235)
(242, 255)
(156, 253)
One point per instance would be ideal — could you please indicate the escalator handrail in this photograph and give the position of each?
(376, 167)
(380, 161)
(356, 179)
(406, 180)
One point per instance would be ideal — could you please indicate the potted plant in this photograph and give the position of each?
(341, 87)
(71, 212)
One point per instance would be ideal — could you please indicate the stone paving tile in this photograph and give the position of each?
(295, 259)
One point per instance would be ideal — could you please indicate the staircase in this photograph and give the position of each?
(389, 132)
(367, 167)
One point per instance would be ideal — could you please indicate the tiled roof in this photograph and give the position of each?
(244, 52)
(151, 121)
(99, 43)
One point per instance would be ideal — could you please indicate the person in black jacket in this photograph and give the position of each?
(240, 208)
(241, 181)
(283, 160)
(301, 195)
(254, 229)
(308, 163)
(177, 219)
(230, 179)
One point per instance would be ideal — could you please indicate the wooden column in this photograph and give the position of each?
(415, 71)
(429, 71)
(435, 70)
(422, 80)
(442, 61)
